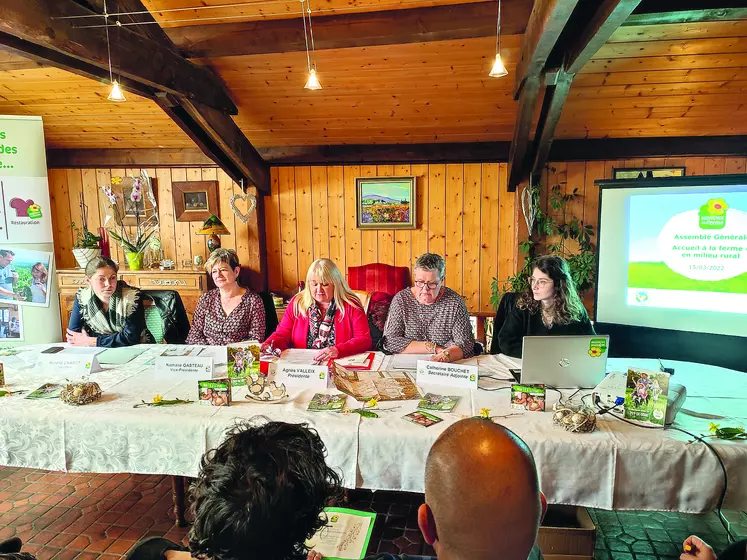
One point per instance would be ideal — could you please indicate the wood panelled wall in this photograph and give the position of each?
(179, 239)
(464, 213)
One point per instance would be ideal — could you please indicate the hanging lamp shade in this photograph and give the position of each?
(313, 82)
(116, 94)
(499, 69)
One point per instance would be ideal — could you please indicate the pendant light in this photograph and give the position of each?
(115, 94)
(499, 69)
(312, 83)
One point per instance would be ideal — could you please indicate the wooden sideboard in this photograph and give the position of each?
(190, 283)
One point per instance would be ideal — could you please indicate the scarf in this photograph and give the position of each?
(122, 304)
(321, 329)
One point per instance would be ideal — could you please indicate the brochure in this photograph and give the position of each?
(442, 403)
(243, 360)
(422, 418)
(215, 392)
(322, 402)
(528, 397)
(46, 391)
(381, 385)
(646, 396)
(359, 361)
(345, 536)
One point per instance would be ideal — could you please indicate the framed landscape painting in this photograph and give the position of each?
(385, 202)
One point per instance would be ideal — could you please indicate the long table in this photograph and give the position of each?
(619, 466)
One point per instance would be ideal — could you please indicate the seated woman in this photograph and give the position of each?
(326, 315)
(228, 313)
(429, 318)
(549, 306)
(107, 312)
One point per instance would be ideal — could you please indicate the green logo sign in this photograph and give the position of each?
(321, 375)
(712, 215)
(597, 347)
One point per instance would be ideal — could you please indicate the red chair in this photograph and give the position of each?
(378, 277)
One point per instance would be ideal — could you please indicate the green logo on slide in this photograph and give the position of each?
(713, 214)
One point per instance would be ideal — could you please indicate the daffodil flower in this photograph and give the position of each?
(157, 399)
(712, 427)
(372, 403)
(485, 412)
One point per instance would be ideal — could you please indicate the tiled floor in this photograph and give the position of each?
(66, 516)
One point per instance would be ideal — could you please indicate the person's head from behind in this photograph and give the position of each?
(551, 284)
(325, 283)
(482, 497)
(260, 494)
(101, 275)
(6, 257)
(224, 268)
(428, 277)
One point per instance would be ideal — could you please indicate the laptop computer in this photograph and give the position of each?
(564, 361)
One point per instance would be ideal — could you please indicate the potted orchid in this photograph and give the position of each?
(127, 207)
(86, 246)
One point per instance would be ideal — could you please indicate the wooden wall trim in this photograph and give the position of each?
(476, 152)
(106, 157)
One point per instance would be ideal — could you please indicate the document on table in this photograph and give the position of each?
(120, 356)
(408, 361)
(299, 356)
(345, 536)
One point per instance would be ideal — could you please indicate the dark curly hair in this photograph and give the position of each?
(260, 494)
(568, 304)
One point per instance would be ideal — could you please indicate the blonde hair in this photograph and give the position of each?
(325, 270)
(226, 256)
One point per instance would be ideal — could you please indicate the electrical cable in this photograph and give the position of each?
(724, 522)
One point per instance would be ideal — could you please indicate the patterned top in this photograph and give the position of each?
(211, 326)
(445, 322)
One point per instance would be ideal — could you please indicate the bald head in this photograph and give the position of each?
(481, 486)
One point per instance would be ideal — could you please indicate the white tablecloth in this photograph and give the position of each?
(617, 467)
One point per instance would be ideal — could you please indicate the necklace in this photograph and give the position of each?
(547, 318)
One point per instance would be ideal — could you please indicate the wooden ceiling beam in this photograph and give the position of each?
(687, 16)
(148, 27)
(575, 53)
(217, 135)
(415, 25)
(546, 23)
(144, 61)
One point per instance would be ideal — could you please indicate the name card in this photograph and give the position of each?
(69, 364)
(299, 375)
(183, 368)
(453, 375)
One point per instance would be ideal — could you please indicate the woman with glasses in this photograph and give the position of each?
(429, 318)
(549, 306)
(326, 316)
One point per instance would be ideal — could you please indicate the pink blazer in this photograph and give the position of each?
(352, 333)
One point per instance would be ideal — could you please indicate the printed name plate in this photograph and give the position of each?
(299, 375)
(183, 367)
(63, 364)
(453, 375)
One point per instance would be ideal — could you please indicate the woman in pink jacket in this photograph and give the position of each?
(326, 315)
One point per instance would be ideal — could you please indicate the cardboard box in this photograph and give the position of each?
(567, 533)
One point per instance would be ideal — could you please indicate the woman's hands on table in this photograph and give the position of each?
(80, 338)
(327, 354)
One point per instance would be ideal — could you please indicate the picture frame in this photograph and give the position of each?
(386, 202)
(619, 173)
(195, 201)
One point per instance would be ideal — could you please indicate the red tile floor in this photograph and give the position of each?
(84, 516)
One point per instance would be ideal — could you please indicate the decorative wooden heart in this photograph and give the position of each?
(251, 199)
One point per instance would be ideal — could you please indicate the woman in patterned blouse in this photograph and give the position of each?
(326, 315)
(229, 313)
(429, 318)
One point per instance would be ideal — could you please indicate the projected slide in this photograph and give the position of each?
(688, 251)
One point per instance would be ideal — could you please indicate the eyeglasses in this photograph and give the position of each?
(540, 282)
(420, 285)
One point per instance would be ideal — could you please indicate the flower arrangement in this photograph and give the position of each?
(158, 400)
(126, 204)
